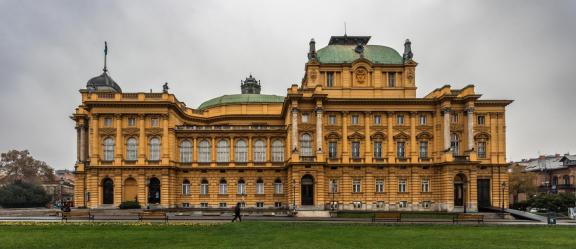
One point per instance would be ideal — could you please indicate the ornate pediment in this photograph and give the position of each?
(456, 127)
(482, 136)
(356, 135)
(378, 135)
(424, 135)
(332, 135)
(153, 131)
(401, 136)
(130, 131)
(306, 127)
(107, 131)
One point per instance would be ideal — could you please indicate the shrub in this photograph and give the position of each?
(553, 202)
(21, 194)
(130, 205)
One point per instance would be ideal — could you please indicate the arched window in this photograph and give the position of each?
(259, 151)
(223, 187)
(132, 149)
(566, 180)
(186, 187)
(277, 151)
(108, 149)
(260, 186)
(186, 151)
(241, 187)
(223, 151)
(455, 144)
(278, 187)
(154, 149)
(204, 187)
(204, 151)
(241, 151)
(306, 145)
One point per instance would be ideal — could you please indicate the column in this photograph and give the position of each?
(119, 141)
(195, 150)
(142, 141)
(231, 159)
(250, 150)
(213, 151)
(367, 140)
(83, 140)
(345, 158)
(95, 140)
(470, 128)
(319, 133)
(413, 146)
(390, 138)
(446, 113)
(165, 144)
(268, 149)
(78, 141)
(294, 129)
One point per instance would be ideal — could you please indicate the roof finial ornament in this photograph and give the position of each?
(312, 50)
(105, 55)
(407, 50)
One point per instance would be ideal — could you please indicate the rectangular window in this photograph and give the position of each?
(333, 188)
(332, 150)
(423, 119)
(241, 188)
(304, 117)
(356, 187)
(378, 150)
(377, 119)
(481, 120)
(260, 188)
(391, 79)
(400, 152)
(379, 186)
(332, 119)
(108, 122)
(454, 117)
(423, 149)
(481, 149)
(204, 188)
(379, 204)
(185, 205)
(204, 204)
(242, 204)
(277, 204)
(259, 204)
(403, 204)
(356, 150)
(186, 189)
(223, 188)
(131, 122)
(278, 188)
(155, 122)
(426, 204)
(330, 79)
(354, 119)
(425, 186)
(222, 205)
(357, 204)
(400, 119)
(402, 186)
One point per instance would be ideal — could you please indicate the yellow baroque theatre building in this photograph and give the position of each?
(352, 135)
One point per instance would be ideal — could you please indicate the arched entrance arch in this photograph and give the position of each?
(130, 189)
(459, 190)
(107, 191)
(154, 191)
(307, 190)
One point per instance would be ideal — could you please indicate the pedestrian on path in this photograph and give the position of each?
(237, 214)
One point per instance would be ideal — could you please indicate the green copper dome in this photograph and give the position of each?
(241, 98)
(345, 54)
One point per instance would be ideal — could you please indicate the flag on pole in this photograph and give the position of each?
(105, 48)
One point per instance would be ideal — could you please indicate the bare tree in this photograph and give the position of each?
(522, 181)
(18, 165)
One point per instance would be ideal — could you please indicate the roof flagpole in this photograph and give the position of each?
(105, 55)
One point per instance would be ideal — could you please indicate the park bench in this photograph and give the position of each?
(78, 214)
(384, 216)
(468, 217)
(153, 215)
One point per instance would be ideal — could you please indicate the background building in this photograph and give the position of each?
(351, 135)
(555, 173)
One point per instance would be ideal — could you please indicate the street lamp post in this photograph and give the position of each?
(61, 183)
(333, 193)
(503, 195)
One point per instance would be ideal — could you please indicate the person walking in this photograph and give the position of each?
(237, 214)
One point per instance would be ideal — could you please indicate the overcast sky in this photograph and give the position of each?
(520, 50)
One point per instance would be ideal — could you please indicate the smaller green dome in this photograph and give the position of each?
(377, 54)
(241, 98)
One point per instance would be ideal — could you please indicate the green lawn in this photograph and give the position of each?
(282, 235)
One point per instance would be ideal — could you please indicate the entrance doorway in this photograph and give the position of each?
(484, 193)
(307, 187)
(154, 191)
(107, 191)
(459, 195)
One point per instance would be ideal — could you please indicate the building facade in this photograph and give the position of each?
(351, 135)
(555, 173)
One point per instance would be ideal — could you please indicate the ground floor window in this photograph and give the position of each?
(357, 204)
(222, 204)
(204, 204)
(277, 204)
(380, 204)
(403, 204)
(426, 204)
(185, 205)
(259, 204)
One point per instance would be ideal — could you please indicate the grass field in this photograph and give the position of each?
(282, 235)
